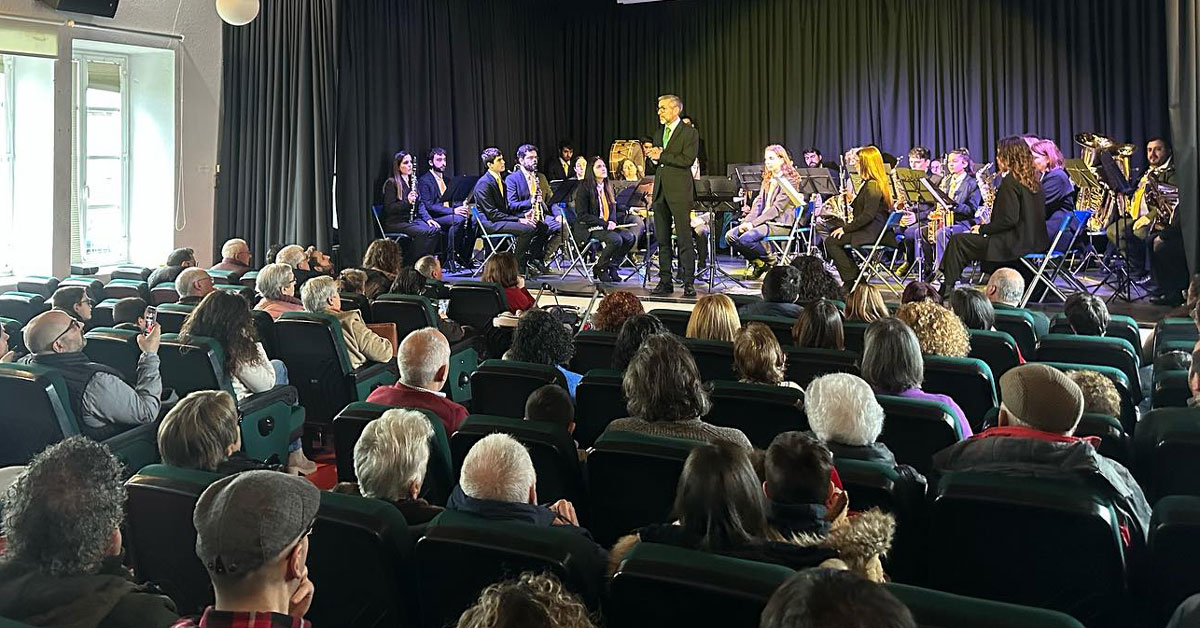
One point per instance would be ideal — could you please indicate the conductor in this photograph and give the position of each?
(674, 194)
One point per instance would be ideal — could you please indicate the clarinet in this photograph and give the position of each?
(412, 187)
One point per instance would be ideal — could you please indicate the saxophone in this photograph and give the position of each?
(985, 177)
(537, 211)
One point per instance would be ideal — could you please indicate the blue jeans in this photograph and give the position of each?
(281, 379)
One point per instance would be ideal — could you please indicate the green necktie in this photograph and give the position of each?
(666, 135)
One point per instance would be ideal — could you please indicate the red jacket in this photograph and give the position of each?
(519, 299)
(402, 396)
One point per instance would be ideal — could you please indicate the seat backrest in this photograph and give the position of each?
(355, 301)
(1114, 443)
(117, 348)
(136, 273)
(1072, 519)
(550, 446)
(744, 299)
(877, 485)
(249, 279)
(781, 326)
(198, 364)
(915, 429)
(599, 400)
(1019, 324)
(761, 411)
(676, 321)
(1119, 326)
(36, 412)
(408, 311)
(312, 347)
(264, 327)
(94, 288)
(1167, 450)
(1129, 411)
(163, 293)
(171, 316)
(226, 276)
(22, 306)
(476, 303)
(1103, 351)
(1168, 329)
(122, 288)
(38, 284)
(714, 358)
(1171, 389)
(720, 591)
(631, 481)
(855, 334)
(968, 381)
(461, 554)
(938, 609)
(500, 387)
(804, 364)
(1174, 549)
(16, 336)
(102, 314)
(348, 426)
(996, 348)
(593, 350)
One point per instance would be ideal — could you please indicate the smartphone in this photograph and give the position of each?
(444, 306)
(151, 317)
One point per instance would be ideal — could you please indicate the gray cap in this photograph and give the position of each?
(246, 520)
(1042, 397)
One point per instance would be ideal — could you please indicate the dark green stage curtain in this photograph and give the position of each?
(467, 74)
(277, 127)
(1183, 20)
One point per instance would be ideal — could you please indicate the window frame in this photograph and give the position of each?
(80, 154)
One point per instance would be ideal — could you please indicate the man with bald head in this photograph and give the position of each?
(1005, 289)
(101, 400)
(424, 361)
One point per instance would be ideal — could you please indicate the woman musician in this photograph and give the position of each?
(597, 217)
(773, 205)
(963, 190)
(870, 210)
(403, 214)
(1059, 189)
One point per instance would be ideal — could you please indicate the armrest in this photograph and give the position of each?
(368, 371)
(262, 400)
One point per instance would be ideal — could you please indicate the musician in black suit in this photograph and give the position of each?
(963, 189)
(431, 187)
(519, 188)
(871, 207)
(598, 216)
(402, 210)
(674, 194)
(497, 217)
(1017, 225)
(562, 168)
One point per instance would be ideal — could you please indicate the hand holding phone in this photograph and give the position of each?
(150, 318)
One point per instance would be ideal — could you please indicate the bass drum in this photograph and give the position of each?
(622, 151)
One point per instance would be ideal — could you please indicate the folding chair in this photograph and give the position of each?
(492, 242)
(870, 263)
(784, 247)
(377, 213)
(1058, 257)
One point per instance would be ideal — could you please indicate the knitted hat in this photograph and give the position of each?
(1042, 397)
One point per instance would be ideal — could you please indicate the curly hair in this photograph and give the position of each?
(815, 281)
(662, 382)
(616, 308)
(383, 255)
(715, 317)
(1099, 393)
(1014, 152)
(757, 356)
(938, 330)
(633, 334)
(225, 318)
(541, 339)
(61, 513)
(532, 600)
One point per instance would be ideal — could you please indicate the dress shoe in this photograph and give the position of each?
(689, 291)
(663, 288)
(613, 275)
(1172, 300)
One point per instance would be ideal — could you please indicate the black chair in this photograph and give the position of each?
(804, 365)
(22, 306)
(102, 314)
(744, 299)
(968, 381)
(124, 288)
(714, 358)
(599, 400)
(855, 335)
(915, 429)
(676, 321)
(631, 481)
(171, 316)
(781, 326)
(1019, 324)
(1174, 549)
(163, 293)
(1099, 350)
(116, 348)
(42, 285)
(937, 609)
(1129, 412)
(136, 273)
(760, 411)
(877, 485)
(1171, 390)
(997, 349)
(355, 301)
(476, 303)
(93, 288)
(1167, 451)
(559, 474)
(264, 327)
(500, 387)
(1119, 326)
(593, 350)
(348, 426)
(409, 312)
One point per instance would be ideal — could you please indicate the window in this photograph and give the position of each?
(26, 164)
(100, 211)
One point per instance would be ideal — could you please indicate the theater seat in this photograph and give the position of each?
(1167, 450)
(915, 429)
(1019, 324)
(102, 314)
(1075, 563)
(781, 326)
(968, 381)
(226, 277)
(123, 288)
(1170, 390)
(1119, 326)
(855, 333)
(878, 485)
(1129, 412)
(22, 306)
(997, 349)
(1170, 329)
(804, 364)
(163, 293)
(555, 458)
(760, 411)
(714, 358)
(599, 400)
(94, 288)
(500, 387)
(171, 316)
(631, 481)
(116, 348)
(348, 426)
(1101, 351)
(461, 554)
(38, 284)
(136, 273)
(409, 312)
(937, 609)
(676, 321)
(710, 589)
(355, 301)
(593, 350)
(249, 279)
(476, 303)
(743, 299)
(264, 327)
(1174, 552)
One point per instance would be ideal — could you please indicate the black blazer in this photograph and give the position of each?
(489, 197)
(520, 201)
(554, 170)
(967, 199)
(1059, 191)
(1018, 224)
(870, 215)
(673, 179)
(587, 208)
(396, 208)
(429, 196)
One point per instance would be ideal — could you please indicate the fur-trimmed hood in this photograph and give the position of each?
(860, 540)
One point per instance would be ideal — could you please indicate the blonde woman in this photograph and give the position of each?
(715, 317)
(865, 304)
(871, 207)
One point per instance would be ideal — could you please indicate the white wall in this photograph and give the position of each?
(198, 59)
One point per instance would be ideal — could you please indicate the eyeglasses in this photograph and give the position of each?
(74, 323)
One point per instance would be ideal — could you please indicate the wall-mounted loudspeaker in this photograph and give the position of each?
(103, 8)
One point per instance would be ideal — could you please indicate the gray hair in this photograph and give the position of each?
(891, 359)
(498, 469)
(317, 292)
(673, 98)
(292, 255)
(233, 246)
(272, 279)
(421, 354)
(189, 276)
(61, 514)
(391, 454)
(1008, 284)
(841, 408)
(425, 266)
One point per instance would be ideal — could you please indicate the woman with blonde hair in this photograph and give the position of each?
(871, 206)
(865, 304)
(758, 358)
(202, 432)
(938, 330)
(715, 317)
(771, 210)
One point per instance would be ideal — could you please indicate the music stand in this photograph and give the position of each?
(816, 181)
(749, 176)
(717, 195)
(460, 189)
(917, 188)
(564, 191)
(1112, 177)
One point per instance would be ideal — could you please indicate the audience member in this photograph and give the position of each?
(758, 358)
(235, 257)
(780, 289)
(1086, 314)
(819, 327)
(301, 262)
(541, 339)
(1005, 288)
(411, 282)
(632, 336)
(74, 301)
(665, 396)
(178, 260)
(938, 330)
(1194, 379)
(614, 309)
(1100, 394)
(390, 459)
(1040, 409)
(866, 304)
(193, 284)
(320, 295)
(843, 413)
(424, 363)
(352, 281)
(714, 318)
(130, 313)
(892, 364)
(62, 557)
(919, 291)
(203, 432)
(815, 282)
(501, 268)
(382, 262)
(551, 404)
(1187, 614)
(973, 308)
(277, 285)
(252, 536)
(430, 267)
(6, 354)
(98, 395)
(528, 601)
(831, 597)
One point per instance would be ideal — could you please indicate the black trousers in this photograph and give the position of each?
(846, 267)
(458, 239)
(614, 244)
(531, 239)
(677, 216)
(961, 250)
(423, 238)
(1168, 260)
